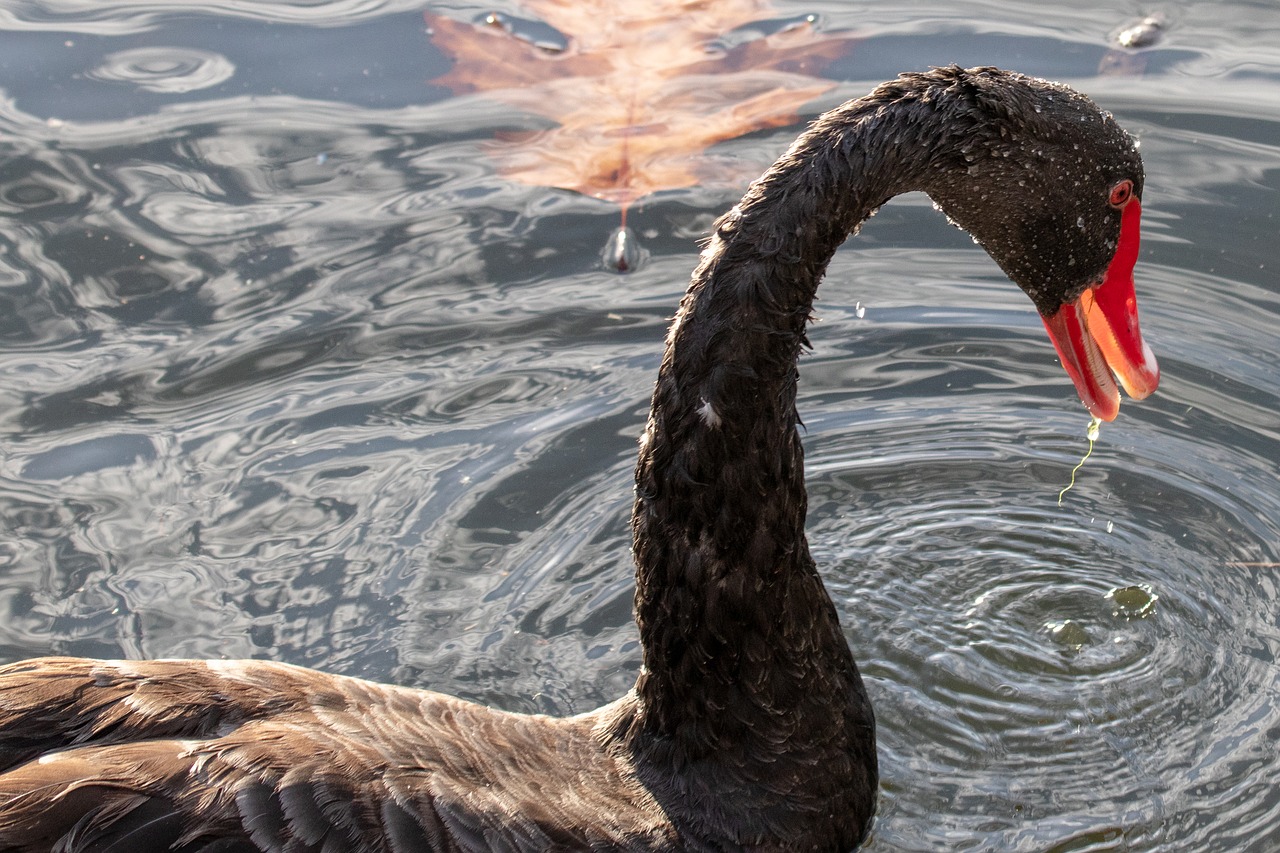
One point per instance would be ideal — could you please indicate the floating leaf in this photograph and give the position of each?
(638, 90)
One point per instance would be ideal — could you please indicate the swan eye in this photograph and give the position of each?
(1121, 193)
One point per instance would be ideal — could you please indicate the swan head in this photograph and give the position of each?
(1051, 186)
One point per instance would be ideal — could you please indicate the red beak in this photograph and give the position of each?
(1098, 333)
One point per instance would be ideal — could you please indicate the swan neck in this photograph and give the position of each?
(727, 592)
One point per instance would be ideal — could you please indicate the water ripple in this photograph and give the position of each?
(166, 70)
(118, 18)
(996, 620)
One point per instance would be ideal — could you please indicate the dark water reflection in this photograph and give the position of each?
(287, 371)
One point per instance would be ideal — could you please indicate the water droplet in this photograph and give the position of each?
(1111, 526)
(623, 252)
(860, 310)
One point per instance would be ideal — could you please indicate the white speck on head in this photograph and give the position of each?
(707, 413)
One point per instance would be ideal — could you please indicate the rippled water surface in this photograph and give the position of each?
(289, 370)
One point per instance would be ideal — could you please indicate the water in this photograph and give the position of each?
(288, 371)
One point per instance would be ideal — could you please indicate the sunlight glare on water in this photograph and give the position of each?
(289, 370)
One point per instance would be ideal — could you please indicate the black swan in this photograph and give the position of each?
(748, 727)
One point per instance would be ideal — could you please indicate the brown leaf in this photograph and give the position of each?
(643, 88)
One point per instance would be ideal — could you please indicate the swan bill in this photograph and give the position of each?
(1097, 335)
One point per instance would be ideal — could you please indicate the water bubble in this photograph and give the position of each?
(1144, 33)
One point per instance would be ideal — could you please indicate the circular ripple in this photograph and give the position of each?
(1026, 657)
(166, 70)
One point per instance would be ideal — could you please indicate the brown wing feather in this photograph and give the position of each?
(229, 756)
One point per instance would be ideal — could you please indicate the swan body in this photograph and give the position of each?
(749, 728)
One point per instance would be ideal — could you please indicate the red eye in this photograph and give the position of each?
(1121, 193)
